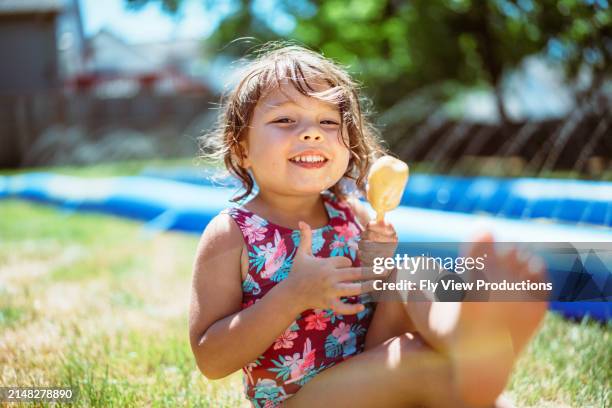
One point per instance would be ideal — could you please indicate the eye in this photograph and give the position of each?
(283, 120)
(330, 122)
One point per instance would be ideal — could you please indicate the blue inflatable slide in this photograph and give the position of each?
(576, 211)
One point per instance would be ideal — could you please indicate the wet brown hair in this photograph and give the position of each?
(272, 64)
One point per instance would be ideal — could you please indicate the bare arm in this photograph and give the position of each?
(217, 326)
(390, 318)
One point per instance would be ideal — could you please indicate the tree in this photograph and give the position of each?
(398, 46)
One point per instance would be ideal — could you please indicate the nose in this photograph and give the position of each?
(311, 135)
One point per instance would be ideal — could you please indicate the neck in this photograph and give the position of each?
(288, 210)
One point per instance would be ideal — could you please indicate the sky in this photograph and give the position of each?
(149, 24)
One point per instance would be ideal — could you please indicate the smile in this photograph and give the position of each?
(309, 161)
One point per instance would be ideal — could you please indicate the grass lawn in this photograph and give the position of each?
(94, 303)
(90, 302)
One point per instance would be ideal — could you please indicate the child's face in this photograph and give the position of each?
(294, 143)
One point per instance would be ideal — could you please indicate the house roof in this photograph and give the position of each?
(14, 7)
(111, 53)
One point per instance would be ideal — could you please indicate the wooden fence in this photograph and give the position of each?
(24, 118)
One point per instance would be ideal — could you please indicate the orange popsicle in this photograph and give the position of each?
(386, 182)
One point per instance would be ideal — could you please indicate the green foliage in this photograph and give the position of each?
(399, 46)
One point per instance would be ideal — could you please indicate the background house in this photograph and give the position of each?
(66, 98)
(28, 45)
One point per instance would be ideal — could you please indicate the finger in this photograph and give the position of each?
(381, 227)
(482, 244)
(355, 289)
(376, 236)
(368, 286)
(536, 271)
(537, 268)
(369, 258)
(380, 236)
(356, 273)
(348, 289)
(523, 254)
(305, 246)
(366, 258)
(378, 224)
(340, 307)
(340, 261)
(511, 260)
(381, 248)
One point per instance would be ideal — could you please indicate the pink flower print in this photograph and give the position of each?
(337, 244)
(253, 229)
(249, 371)
(317, 320)
(308, 358)
(285, 340)
(347, 231)
(342, 332)
(308, 361)
(302, 366)
(267, 250)
(353, 245)
(276, 260)
(292, 361)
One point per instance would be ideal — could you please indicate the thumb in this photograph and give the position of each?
(482, 245)
(305, 246)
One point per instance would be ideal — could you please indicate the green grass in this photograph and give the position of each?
(10, 315)
(469, 166)
(567, 364)
(123, 168)
(91, 302)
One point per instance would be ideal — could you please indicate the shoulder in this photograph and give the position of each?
(222, 237)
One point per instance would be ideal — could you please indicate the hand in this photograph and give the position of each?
(378, 240)
(318, 283)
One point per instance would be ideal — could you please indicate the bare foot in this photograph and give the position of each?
(490, 335)
(522, 311)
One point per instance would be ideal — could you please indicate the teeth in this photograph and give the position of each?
(309, 158)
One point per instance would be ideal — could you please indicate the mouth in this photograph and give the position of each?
(309, 160)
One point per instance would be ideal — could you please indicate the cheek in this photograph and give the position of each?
(342, 158)
(346, 157)
(267, 144)
(269, 154)
(343, 151)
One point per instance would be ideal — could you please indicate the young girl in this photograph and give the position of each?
(278, 289)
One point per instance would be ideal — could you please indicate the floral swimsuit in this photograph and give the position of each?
(318, 338)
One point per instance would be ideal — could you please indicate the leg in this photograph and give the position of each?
(400, 372)
(390, 319)
(478, 345)
(482, 339)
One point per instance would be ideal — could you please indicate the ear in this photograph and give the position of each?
(243, 154)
